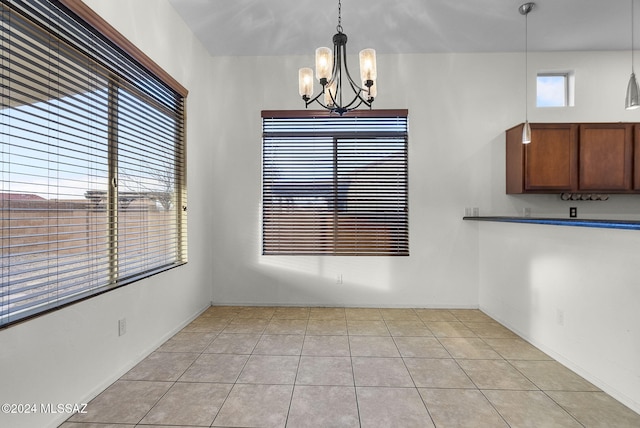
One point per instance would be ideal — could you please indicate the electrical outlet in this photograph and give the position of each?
(468, 212)
(339, 279)
(122, 326)
(573, 212)
(476, 211)
(526, 212)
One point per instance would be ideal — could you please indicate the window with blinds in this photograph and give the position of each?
(92, 162)
(335, 185)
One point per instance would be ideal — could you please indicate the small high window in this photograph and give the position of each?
(553, 90)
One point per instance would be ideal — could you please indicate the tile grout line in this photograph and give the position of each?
(239, 372)
(474, 383)
(295, 379)
(465, 372)
(173, 383)
(230, 389)
(545, 392)
(415, 387)
(353, 372)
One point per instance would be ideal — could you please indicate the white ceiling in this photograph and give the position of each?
(297, 27)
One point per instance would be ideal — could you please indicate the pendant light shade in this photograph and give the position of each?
(631, 101)
(526, 133)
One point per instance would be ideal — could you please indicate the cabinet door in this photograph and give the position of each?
(551, 158)
(606, 157)
(636, 158)
(515, 161)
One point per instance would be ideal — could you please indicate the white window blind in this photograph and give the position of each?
(335, 185)
(92, 163)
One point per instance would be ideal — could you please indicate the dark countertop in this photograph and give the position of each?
(579, 222)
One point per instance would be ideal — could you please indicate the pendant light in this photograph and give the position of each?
(631, 101)
(526, 130)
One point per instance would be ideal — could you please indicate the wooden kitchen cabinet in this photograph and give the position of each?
(574, 158)
(636, 158)
(549, 164)
(605, 157)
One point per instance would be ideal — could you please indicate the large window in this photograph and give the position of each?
(335, 185)
(92, 160)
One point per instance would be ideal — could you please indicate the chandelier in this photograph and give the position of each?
(329, 72)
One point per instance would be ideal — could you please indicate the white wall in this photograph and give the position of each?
(445, 162)
(571, 291)
(72, 354)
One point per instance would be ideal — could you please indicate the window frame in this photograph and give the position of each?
(362, 238)
(567, 79)
(86, 18)
(91, 18)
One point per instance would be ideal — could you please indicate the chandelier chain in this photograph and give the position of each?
(339, 26)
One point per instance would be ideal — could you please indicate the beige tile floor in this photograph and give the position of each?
(350, 367)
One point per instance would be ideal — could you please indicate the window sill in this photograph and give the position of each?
(602, 224)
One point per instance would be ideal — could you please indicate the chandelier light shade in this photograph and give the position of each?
(368, 69)
(524, 9)
(305, 82)
(631, 101)
(339, 92)
(324, 63)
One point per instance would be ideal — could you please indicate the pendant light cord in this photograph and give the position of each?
(526, 67)
(632, 68)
